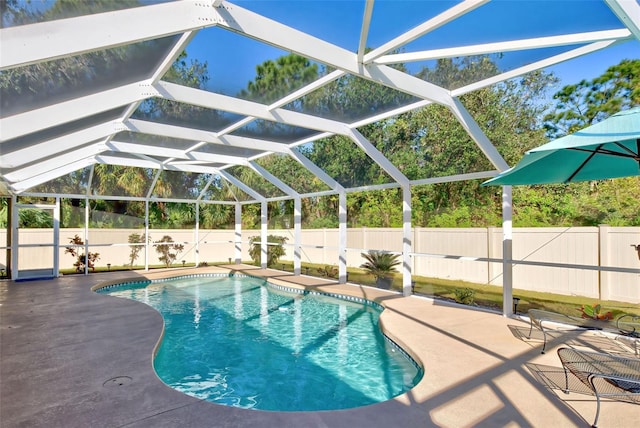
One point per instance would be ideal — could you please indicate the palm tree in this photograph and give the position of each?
(381, 265)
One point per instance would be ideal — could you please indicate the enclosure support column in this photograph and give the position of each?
(406, 240)
(263, 234)
(507, 253)
(342, 237)
(13, 224)
(56, 239)
(8, 266)
(197, 234)
(238, 235)
(86, 238)
(297, 235)
(146, 235)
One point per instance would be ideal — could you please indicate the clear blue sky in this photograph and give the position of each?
(595, 64)
(232, 59)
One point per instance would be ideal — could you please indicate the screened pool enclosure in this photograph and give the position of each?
(111, 101)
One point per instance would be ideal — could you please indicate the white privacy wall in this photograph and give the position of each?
(472, 255)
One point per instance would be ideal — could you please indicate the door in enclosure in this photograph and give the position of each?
(35, 240)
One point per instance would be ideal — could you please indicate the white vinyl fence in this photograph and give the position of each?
(572, 261)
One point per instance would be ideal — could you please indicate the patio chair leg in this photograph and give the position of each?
(566, 381)
(544, 335)
(595, 421)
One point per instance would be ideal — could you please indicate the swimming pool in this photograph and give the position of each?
(238, 341)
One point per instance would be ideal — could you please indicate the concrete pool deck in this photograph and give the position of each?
(70, 357)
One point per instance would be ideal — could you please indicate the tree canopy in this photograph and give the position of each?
(590, 101)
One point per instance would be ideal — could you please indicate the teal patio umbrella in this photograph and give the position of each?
(608, 149)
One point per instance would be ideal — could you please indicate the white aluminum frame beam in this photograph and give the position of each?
(28, 44)
(92, 170)
(432, 24)
(310, 139)
(374, 187)
(255, 26)
(248, 190)
(391, 113)
(67, 111)
(273, 179)
(317, 171)
(163, 67)
(315, 85)
(36, 180)
(508, 46)
(378, 157)
(476, 134)
(176, 154)
(538, 65)
(203, 192)
(53, 147)
(211, 100)
(52, 163)
(237, 125)
(137, 162)
(146, 162)
(364, 30)
(482, 175)
(628, 11)
(197, 135)
(179, 47)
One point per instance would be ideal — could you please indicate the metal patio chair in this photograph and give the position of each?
(608, 376)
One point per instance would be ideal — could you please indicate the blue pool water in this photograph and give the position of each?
(240, 342)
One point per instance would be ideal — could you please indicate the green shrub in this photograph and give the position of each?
(328, 271)
(275, 249)
(464, 295)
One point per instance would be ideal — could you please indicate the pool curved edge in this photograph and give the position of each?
(393, 339)
(359, 293)
(156, 346)
(325, 288)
